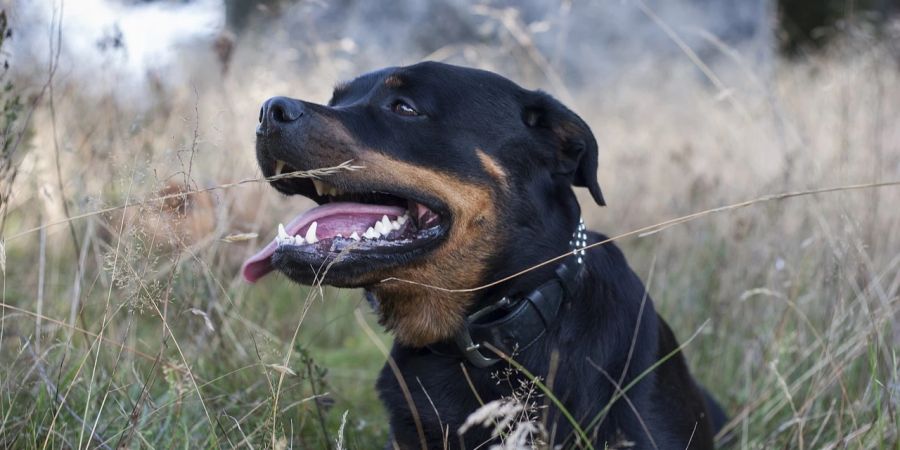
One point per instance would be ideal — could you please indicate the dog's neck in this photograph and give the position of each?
(516, 322)
(418, 315)
(522, 272)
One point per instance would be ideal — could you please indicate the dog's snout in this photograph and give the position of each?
(284, 110)
(277, 113)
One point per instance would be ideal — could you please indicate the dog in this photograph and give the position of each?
(463, 195)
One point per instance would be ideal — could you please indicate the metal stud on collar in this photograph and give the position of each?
(579, 241)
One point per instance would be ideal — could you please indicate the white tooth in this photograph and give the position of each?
(281, 232)
(379, 227)
(279, 165)
(354, 236)
(311, 233)
(339, 235)
(320, 187)
(402, 219)
(386, 225)
(298, 240)
(395, 225)
(371, 234)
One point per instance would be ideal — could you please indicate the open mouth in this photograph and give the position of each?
(358, 223)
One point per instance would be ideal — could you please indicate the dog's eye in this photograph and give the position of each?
(402, 108)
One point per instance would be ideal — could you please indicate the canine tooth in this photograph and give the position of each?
(354, 236)
(320, 187)
(311, 233)
(371, 234)
(279, 165)
(421, 210)
(381, 229)
(281, 232)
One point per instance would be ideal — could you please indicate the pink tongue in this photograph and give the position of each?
(333, 218)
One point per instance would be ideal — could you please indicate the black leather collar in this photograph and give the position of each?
(513, 324)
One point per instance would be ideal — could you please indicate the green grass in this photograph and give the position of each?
(229, 369)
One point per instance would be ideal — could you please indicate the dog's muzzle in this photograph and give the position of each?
(278, 114)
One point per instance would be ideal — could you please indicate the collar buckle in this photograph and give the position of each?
(469, 348)
(472, 351)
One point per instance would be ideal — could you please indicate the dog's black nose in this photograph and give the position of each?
(277, 113)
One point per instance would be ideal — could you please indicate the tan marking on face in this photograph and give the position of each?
(393, 81)
(491, 166)
(417, 315)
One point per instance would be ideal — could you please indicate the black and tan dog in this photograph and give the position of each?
(467, 180)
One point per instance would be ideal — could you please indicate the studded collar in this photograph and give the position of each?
(513, 324)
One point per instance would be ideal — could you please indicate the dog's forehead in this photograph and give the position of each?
(359, 86)
(427, 76)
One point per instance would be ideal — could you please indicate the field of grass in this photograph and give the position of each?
(124, 322)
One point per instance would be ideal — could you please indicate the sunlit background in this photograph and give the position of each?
(124, 323)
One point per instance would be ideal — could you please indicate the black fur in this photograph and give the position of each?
(607, 330)
(595, 328)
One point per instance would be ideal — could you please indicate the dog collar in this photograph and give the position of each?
(513, 324)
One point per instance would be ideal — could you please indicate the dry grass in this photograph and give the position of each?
(130, 327)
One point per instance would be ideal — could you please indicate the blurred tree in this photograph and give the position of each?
(810, 23)
(241, 13)
(13, 126)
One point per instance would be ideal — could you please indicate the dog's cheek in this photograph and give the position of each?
(416, 313)
(420, 315)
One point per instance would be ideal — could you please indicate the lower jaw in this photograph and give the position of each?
(340, 274)
(346, 269)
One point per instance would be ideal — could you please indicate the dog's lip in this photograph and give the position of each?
(350, 189)
(260, 264)
(306, 187)
(344, 194)
(434, 223)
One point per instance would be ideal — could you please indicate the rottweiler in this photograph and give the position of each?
(466, 184)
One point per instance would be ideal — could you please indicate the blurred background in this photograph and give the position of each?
(124, 323)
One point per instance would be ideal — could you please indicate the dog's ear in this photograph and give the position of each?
(576, 156)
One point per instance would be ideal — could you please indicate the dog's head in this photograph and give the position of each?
(466, 177)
